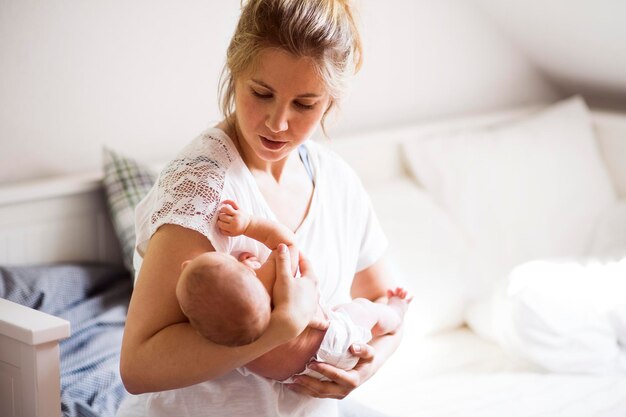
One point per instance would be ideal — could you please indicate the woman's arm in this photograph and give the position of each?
(371, 283)
(160, 350)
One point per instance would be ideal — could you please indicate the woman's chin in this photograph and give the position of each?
(273, 155)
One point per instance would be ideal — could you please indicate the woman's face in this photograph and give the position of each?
(278, 104)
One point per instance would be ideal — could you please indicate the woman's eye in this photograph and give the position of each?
(304, 106)
(266, 96)
(261, 95)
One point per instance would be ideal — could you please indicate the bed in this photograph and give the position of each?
(457, 373)
(62, 228)
(59, 255)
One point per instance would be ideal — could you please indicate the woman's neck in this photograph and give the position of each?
(258, 166)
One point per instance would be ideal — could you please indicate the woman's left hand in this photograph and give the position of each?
(341, 382)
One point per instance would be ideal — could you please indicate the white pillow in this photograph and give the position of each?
(527, 189)
(427, 254)
(609, 237)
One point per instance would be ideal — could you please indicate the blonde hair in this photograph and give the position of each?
(323, 30)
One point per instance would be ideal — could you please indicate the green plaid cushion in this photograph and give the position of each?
(125, 182)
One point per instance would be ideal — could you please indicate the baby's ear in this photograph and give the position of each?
(184, 264)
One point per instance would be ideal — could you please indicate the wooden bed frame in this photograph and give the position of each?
(45, 222)
(66, 219)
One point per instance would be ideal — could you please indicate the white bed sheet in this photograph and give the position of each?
(459, 374)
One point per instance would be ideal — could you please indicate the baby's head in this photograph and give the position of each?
(223, 299)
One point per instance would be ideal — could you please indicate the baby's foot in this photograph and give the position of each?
(399, 300)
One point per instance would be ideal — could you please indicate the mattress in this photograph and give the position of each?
(459, 374)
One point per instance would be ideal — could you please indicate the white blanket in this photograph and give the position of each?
(459, 374)
(567, 315)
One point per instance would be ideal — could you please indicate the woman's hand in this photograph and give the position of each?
(295, 299)
(341, 382)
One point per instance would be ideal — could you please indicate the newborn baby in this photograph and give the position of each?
(227, 300)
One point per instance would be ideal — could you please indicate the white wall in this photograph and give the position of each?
(431, 58)
(141, 75)
(580, 45)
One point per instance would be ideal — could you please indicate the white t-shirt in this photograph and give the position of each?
(340, 235)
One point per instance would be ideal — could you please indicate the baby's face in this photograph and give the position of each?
(249, 260)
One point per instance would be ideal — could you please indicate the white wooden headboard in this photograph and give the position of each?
(55, 220)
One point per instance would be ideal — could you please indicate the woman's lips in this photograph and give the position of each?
(271, 144)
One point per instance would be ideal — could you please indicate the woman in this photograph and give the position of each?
(287, 65)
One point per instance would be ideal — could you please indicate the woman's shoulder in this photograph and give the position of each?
(324, 154)
(190, 187)
(209, 155)
(211, 145)
(331, 164)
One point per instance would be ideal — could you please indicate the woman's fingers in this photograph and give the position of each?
(283, 262)
(293, 303)
(306, 270)
(314, 387)
(302, 389)
(341, 382)
(348, 379)
(363, 351)
(305, 265)
(283, 289)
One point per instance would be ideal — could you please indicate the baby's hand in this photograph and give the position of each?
(231, 220)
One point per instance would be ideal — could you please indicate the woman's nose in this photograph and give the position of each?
(277, 119)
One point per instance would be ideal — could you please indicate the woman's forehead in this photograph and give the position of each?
(279, 70)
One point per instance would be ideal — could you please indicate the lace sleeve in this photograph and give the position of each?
(190, 188)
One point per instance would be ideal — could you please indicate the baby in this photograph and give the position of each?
(227, 300)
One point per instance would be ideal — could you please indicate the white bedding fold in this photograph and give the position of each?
(460, 374)
(567, 316)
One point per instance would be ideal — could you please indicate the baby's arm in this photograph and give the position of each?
(232, 221)
(380, 318)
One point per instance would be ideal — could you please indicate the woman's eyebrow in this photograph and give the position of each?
(265, 85)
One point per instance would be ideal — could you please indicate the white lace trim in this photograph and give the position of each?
(190, 187)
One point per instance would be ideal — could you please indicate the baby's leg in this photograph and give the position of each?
(362, 311)
(381, 318)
